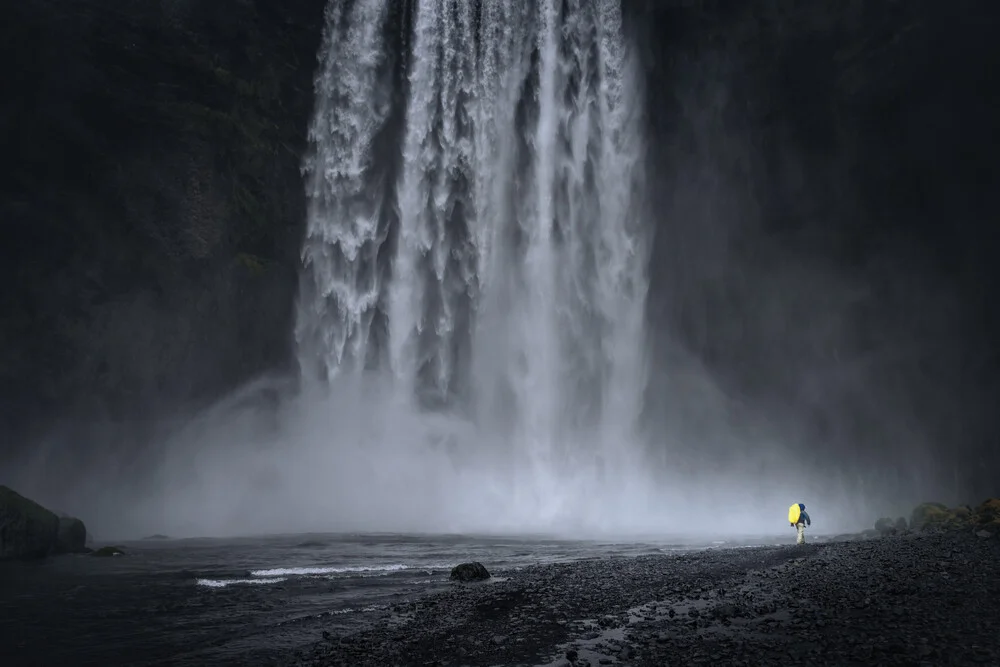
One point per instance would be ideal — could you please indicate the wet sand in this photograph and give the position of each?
(916, 599)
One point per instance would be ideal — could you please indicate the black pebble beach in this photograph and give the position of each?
(916, 599)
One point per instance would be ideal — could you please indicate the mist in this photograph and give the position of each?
(347, 458)
(770, 361)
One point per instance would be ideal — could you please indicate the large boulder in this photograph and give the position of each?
(470, 572)
(72, 537)
(27, 530)
(928, 515)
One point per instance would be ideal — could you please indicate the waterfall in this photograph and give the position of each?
(341, 285)
(513, 284)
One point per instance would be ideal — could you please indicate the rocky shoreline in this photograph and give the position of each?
(909, 599)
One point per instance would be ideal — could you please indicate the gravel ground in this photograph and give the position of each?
(919, 599)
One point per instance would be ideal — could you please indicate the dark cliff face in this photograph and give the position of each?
(153, 207)
(824, 175)
(151, 199)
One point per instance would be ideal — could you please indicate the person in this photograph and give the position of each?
(798, 518)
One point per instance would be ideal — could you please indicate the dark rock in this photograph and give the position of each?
(72, 537)
(105, 552)
(901, 524)
(724, 611)
(27, 530)
(469, 572)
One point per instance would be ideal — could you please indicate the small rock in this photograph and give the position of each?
(725, 611)
(105, 552)
(983, 533)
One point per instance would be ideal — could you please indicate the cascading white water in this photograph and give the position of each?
(342, 284)
(433, 251)
(516, 275)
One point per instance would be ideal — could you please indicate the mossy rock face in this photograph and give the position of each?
(929, 514)
(27, 530)
(106, 552)
(988, 511)
(960, 516)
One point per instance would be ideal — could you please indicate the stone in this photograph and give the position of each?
(469, 572)
(105, 552)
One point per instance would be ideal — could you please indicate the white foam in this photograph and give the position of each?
(222, 583)
(360, 610)
(313, 571)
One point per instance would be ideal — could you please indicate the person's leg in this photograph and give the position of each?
(801, 528)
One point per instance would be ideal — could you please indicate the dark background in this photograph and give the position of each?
(825, 185)
(821, 175)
